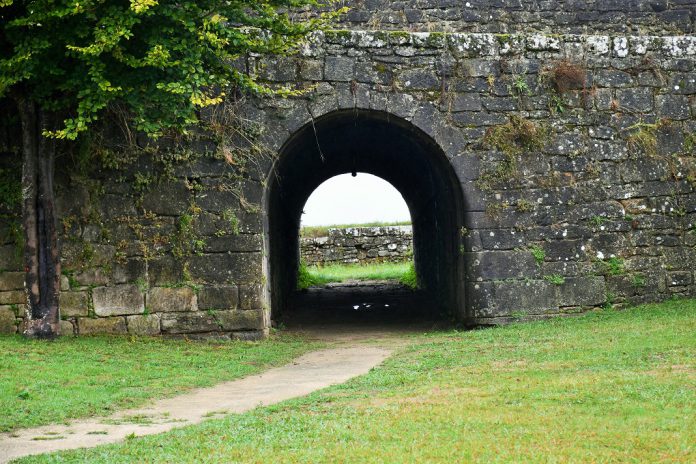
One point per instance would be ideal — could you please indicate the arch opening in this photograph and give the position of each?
(393, 149)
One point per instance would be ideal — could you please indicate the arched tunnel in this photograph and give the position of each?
(388, 147)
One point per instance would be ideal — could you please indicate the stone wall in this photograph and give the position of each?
(576, 195)
(513, 16)
(359, 245)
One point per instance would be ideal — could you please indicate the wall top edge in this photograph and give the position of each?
(617, 46)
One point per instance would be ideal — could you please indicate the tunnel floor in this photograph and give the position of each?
(362, 308)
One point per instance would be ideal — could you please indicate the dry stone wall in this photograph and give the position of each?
(579, 192)
(359, 245)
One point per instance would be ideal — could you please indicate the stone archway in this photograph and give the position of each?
(389, 147)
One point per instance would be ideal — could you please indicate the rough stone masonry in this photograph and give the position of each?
(359, 245)
(572, 153)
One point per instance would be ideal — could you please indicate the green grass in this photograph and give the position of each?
(323, 231)
(321, 275)
(46, 382)
(609, 386)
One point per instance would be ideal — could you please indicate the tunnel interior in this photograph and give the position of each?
(388, 147)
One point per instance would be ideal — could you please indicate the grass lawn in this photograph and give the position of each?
(320, 275)
(46, 382)
(608, 386)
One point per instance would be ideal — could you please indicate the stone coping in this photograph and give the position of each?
(487, 44)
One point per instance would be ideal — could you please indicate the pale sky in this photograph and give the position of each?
(354, 200)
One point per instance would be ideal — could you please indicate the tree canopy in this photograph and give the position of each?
(162, 60)
(64, 62)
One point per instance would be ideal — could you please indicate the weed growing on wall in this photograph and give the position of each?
(566, 76)
(555, 279)
(643, 139)
(538, 253)
(516, 137)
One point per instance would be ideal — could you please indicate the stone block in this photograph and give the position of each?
(339, 68)
(495, 265)
(251, 296)
(505, 298)
(582, 291)
(250, 335)
(637, 100)
(92, 276)
(131, 271)
(165, 270)
(184, 323)
(162, 299)
(10, 260)
(67, 329)
(7, 321)
(462, 102)
(218, 297)
(11, 281)
(501, 239)
(170, 199)
(679, 279)
(419, 79)
(13, 297)
(107, 325)
(118, 300)
(144, 324)
(311, 70)
(221, 268)
(672, 106)
(240, 320)
(74, 304)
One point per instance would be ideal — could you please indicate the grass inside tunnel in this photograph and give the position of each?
(336, 273)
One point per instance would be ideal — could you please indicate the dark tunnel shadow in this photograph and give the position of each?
(391, 148)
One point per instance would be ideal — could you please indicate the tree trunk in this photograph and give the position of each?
(41, 253)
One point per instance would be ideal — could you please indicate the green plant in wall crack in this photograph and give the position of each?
(524, 206)
(231, 221)
(516, 136)
(538, 253)
(598, 221)
(609, 300)
(513, 139)
(642, 138)
(519, 86)
(639, 280)
(690, 144)
(614, 266)
(555, 279)
(187, 242)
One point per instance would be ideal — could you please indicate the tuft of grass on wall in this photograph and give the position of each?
(323, 231)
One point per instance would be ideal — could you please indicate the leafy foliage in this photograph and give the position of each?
(160, 61)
